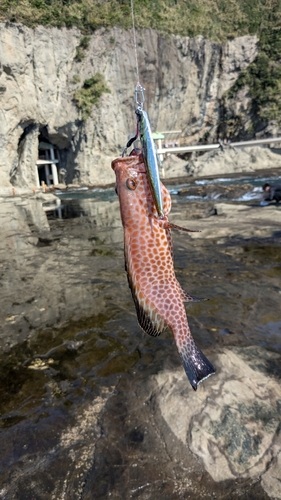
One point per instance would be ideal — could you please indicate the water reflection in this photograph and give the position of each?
(102, 213)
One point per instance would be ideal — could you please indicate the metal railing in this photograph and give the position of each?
(208, 147)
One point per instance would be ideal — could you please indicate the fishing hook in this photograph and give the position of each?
(139, 99)
(130, 142)
(139, 95)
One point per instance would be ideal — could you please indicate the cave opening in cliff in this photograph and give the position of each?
(20, 174)
(48, 160)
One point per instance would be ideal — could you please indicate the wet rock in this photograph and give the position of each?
(193, 211)
(272, 478)
(193, 191)
(68, 348)
(216, 191)
(148, 435)
(58, 467)
(162, 440)
(233, 421)
(238, 220)
(36, 216)
(45, 275)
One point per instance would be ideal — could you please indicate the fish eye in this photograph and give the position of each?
(131, 184)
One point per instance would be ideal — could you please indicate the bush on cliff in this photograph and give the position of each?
(89, 95)
(262, 78)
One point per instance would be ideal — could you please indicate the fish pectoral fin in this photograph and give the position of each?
(175, 226)
(166, 224)
(190, 298)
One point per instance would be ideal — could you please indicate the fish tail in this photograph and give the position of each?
(197, 366)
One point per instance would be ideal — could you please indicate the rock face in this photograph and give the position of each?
(232, 424)
(233, 160)
(184, 80)
(230, 160)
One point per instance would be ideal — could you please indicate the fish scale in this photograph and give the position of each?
(158, 296)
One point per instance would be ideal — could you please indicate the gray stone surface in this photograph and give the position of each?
(272, 477)
(233, 423)
(257, 222)
(233, 160)
(163, 437)
(230, 160)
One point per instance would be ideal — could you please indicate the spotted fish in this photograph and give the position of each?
(158, 296)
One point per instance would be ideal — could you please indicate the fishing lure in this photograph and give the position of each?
(148, 150)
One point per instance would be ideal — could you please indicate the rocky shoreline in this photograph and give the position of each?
(86, 396)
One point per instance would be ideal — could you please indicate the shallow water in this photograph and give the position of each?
(88, 202)
(72, 379)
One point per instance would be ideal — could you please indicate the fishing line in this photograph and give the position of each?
(139, 90)
(135, 39)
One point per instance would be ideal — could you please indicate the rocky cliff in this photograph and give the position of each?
(39, 72)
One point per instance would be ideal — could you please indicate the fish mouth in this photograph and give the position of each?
(129, 162)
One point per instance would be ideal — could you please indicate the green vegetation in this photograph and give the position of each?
(214, 19)
(82, 47)
(263, 76)
(217, 20)
(89, 94)
(262, 79)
